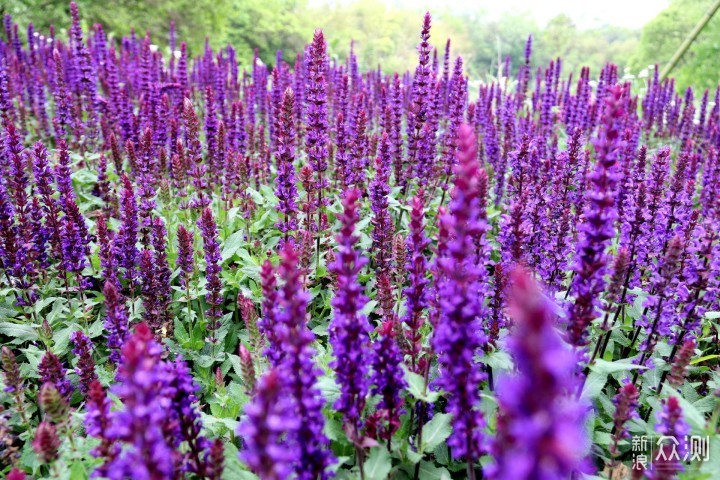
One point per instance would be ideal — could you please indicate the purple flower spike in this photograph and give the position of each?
(86, 365)
(349, 328)
(286, 189)
(268, 417)
(417, 293)
(626, 404)
(52, 371)
(214, 297)
(299, 372)
(185, 258)
(116, 320)
(541, 432)
(388, 378)
(316, 137)
(598, 228)
(458, 335)
(671, 423)
(144, 425)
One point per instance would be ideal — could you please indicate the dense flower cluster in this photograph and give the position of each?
(144, 437)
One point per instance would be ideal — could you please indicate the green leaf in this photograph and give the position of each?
(704, 359)
(416, 387)
(594, 384)
(369, 307)
(429, 471)
(7, 312)
(378, 464)
(256, 196)
(603, 366)
(18, 331)
(181, 334)
(232, 244)
(234, 469)
(712, 465)
(498, 360)
(269, 195)
(330, 390)
(78, 471)
(436, 431)
(413, 456)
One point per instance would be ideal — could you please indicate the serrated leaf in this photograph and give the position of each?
(232, 244)
(181, 333)
(712, 466)
(7, 312)
(413, 456)
(436, 431)
(378, 464)
(369, 307)
(18, 331)
(234, 469)
(269, 195)
(77, 471)
(256, 196)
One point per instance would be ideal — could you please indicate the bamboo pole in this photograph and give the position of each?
(689, 40)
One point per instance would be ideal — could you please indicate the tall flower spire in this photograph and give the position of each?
(541, 431)
(458, 334)
(140, 425)
(417, 293)
(268, 418)
(214, 297)
(382, 233)
(316, 136)
(598, 228)
(286, 189)
(349, 329)
(299, 372)
(418, 113)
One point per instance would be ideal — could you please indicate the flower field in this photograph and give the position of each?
(215, 268)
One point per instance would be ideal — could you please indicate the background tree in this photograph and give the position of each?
(664, 34)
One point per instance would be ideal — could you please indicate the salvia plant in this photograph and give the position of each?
(216, 268)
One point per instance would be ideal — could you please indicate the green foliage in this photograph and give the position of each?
(662, 36)
(193, 18)
(382, 34)
(266, 25)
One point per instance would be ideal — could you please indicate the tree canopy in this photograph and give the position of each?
(663, 35)
(387, 35)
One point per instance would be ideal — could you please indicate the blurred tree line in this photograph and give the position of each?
(387, 36)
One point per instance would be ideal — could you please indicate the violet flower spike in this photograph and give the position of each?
(541, 431)
(349, 329)
(86, 365)
(460, 307)
(268, 417)
(214, 297)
